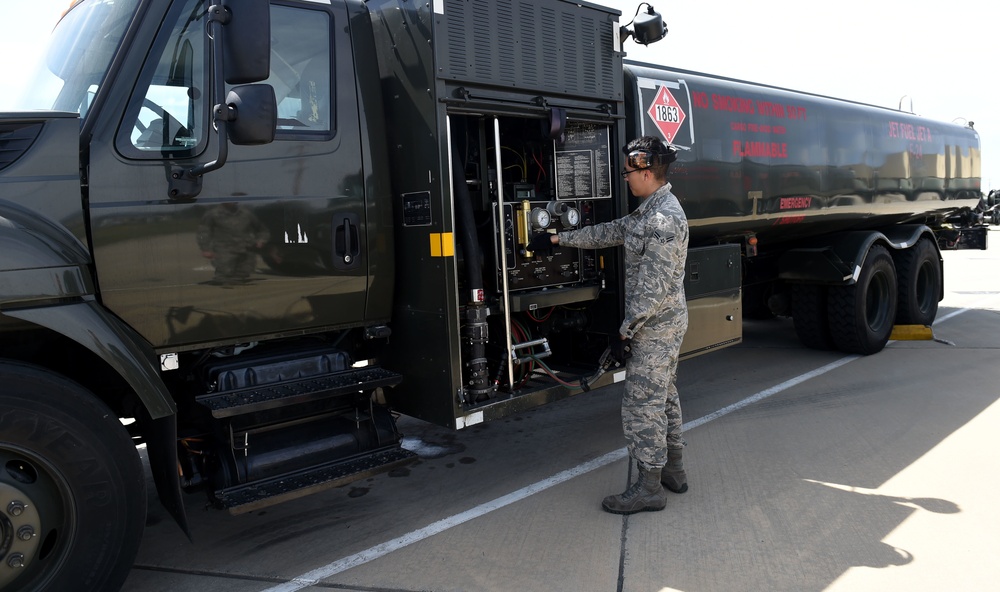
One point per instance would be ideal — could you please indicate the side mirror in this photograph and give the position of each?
(256, 114)
(647, 28)
(247, 41)
(240, 34)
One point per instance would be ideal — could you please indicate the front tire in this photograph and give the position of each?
(862, 314)
(75, 480)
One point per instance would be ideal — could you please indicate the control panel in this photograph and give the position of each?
(564, 265)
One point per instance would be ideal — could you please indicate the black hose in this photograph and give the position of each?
(465, 224)
(475, 332)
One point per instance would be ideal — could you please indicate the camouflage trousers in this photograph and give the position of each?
(234, 265)
(651, 407)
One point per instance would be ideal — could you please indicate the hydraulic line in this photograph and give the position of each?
(475, 331)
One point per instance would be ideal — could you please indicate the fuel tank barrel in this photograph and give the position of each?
(783, 165)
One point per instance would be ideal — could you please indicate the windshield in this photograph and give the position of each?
(75, 61)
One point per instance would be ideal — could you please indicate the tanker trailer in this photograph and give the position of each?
(841, 208)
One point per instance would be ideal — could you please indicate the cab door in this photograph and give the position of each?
(276, 240)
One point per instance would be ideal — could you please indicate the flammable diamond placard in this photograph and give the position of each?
(666, 113)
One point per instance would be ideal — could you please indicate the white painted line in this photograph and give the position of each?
(317, 575)
(771, 391)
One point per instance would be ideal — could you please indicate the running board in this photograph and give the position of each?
(271, 396)
(240, 499)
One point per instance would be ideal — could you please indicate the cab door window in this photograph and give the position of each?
(170, 113)
(301, 71)
(167, 116)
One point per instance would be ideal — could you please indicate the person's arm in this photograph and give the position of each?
(598, 236)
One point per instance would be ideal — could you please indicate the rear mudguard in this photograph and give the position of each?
(838, 260)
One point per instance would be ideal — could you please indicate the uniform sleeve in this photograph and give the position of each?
(598, 236)
(204, 234)
(658, 271)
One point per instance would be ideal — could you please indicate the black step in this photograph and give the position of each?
(240, 499)
(261, 398)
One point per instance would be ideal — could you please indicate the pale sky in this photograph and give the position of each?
(940, 55)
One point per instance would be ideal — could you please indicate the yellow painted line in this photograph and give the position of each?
(912, 333)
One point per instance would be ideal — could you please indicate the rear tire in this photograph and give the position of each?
(862, 314)
(67, 459)
(920, 285)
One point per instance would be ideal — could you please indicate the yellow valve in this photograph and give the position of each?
(524, 226)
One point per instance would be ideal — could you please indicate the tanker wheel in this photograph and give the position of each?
(920, 285)
(809, 315)
(72, 488)
(755, 302)
(861, 315)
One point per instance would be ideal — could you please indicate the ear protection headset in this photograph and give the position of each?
(643, 158)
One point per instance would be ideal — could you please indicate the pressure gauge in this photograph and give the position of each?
(540, 218)
(570, 218)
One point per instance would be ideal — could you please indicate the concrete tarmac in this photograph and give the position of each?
(808, 470)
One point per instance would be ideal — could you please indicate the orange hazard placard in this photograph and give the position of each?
(666, 113)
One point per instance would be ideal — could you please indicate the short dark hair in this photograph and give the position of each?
(662, 154)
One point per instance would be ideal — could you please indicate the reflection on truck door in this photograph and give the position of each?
(276, 239)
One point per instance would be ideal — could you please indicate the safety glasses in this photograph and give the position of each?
(626, 172)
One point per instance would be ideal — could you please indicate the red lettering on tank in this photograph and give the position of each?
(733, 104)
(795, 203)
(796, 112)
(760, 149)
(700, 100)
(771, 109)
(908, 131)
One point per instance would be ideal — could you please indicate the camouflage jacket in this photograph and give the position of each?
(655, 237)
(230, 230)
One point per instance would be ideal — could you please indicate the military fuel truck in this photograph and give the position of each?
(247, 235)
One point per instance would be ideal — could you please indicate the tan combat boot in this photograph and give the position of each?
(673, 476)
(645, 495)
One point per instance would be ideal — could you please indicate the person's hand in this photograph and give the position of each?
(541, 242)
(621, 350)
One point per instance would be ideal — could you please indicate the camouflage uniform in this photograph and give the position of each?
(232, 234)
(655, 236)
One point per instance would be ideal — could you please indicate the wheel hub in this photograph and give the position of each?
(19, 528)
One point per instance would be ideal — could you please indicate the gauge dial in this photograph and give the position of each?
(570, 218)
(540, 218)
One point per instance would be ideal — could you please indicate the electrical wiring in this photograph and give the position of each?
(541, 168)
(543, 319)
(552, 374)
(524, 163)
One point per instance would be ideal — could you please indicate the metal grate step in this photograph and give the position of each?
(240, 499)
(261, 398)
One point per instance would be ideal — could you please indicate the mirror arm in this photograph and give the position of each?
(185, 183)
